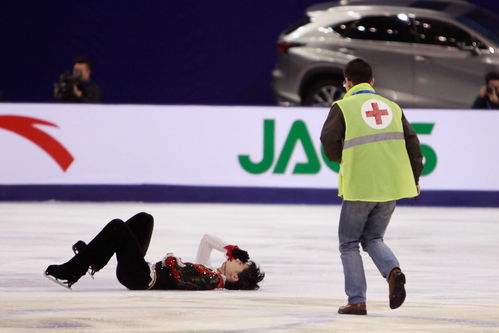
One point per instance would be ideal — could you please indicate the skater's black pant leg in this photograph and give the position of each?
(142, 225)
(117, 237)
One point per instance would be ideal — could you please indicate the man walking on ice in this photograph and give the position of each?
(381, 162)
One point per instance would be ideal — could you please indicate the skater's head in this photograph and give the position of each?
(244, 276)
(232, 268)
(357, 71)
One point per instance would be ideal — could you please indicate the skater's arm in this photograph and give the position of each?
(208, 243)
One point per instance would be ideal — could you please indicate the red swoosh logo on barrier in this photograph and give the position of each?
(24, 126)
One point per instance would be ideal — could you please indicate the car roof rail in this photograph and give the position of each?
(438, 5)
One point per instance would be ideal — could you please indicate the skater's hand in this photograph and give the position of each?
(240, 254)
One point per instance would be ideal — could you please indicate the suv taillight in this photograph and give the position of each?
(285, 46)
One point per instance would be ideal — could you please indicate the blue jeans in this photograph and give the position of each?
(364, 223)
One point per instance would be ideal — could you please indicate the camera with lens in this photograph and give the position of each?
(492, 90)
(64, 87)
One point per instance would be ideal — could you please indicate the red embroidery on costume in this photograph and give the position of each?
(170, 262)
(202, 269)
(220, 281)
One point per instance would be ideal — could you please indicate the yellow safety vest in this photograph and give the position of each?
(375, 164)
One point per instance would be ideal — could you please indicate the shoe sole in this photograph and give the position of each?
(355, 312)
(399, 294)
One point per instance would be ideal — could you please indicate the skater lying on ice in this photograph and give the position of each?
(130, 241)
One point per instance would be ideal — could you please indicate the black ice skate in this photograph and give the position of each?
(79, 247)
(61, 275)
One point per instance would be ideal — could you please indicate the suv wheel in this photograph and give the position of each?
(323, 93)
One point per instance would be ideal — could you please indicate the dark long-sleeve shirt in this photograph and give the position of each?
(333, 137)
(172, 273)
(91, 93)
(484, 103)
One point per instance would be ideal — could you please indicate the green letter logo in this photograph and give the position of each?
(268, 151)
(430, 157)
(297, 133)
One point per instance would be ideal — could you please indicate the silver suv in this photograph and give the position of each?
(432, 53)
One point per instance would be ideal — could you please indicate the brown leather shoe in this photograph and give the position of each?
(396, 282)
(354, 309)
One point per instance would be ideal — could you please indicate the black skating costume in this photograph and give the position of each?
(129, 241)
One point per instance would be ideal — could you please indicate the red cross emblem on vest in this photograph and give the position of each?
(377, 113)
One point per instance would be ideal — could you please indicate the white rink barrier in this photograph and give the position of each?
(221, 154)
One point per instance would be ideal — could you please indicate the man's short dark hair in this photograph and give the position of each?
(83, 60)
(491, 76)
(248, 279)
(358, 71)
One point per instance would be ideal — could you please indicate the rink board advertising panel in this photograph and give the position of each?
(221, 154)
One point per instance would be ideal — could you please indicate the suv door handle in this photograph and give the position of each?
(345, 50)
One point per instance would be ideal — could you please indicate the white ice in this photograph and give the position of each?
(450, 257)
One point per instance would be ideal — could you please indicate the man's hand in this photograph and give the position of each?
(483, 91)
(76, 91)
(493, 97)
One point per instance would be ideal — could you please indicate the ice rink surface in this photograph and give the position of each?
(450, 257)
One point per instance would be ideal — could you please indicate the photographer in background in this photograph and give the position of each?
(489, 94)
(77, 87)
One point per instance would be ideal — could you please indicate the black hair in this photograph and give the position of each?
(83, 60)
(358, 71)
(248, 278)
(491, 76)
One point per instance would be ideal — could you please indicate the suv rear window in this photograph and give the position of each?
(383, 28)
(431, 31)
(482, 21)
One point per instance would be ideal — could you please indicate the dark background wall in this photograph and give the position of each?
(152, 52)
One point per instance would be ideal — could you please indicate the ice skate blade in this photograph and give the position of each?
(51, 278)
